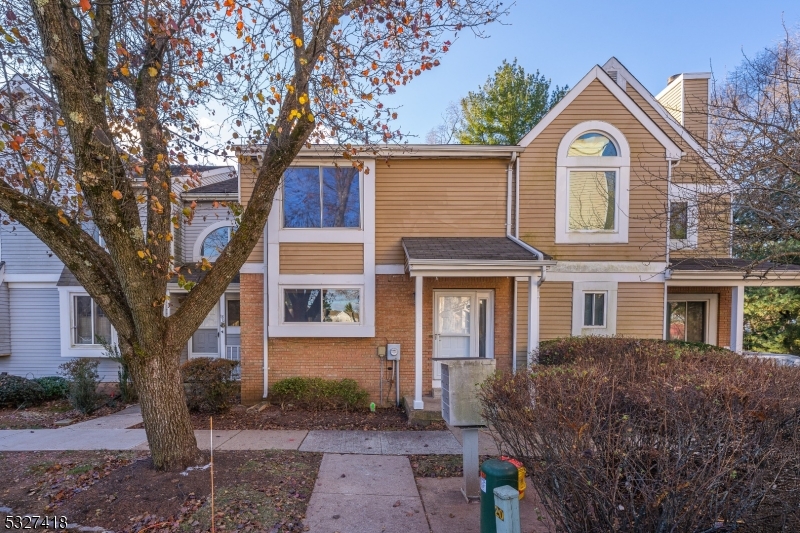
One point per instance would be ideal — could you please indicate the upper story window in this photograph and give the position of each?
(321, 197)
(679, 220)
(215, 242)
(592, 188)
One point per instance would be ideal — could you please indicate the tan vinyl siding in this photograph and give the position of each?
(640, 310)
(672, 101)
(646, 240)
(695, 114)
(437, 198)
(321, 258)
(555, 312)
(713, 238)
(247, 176)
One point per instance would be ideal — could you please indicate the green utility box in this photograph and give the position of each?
(494, 473)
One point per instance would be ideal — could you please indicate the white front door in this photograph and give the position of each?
(463, 327)
(205, 341)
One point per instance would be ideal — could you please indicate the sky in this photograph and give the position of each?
(564, 39)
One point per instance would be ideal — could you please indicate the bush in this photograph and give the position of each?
(16, 391)
(319, 394)
(127, 390)
(54, 387)
(631, 435)
(83, 382)
(208, 384)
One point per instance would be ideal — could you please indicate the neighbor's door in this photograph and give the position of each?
(205, 341)
(463, 323)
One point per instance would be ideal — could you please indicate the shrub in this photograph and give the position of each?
(208, 384)
(629, 435)
(83, 382)
(17, 391)
(319, 393)
(127, 390)
(54, 387)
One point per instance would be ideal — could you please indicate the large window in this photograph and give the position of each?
(321, 197)
(90, 324)
(317, 305)
(592, 182)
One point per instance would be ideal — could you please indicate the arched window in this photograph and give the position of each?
(215, 242)
(593, 177)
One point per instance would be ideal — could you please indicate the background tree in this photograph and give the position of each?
(771, 320)
(131, 81)
(507, 107)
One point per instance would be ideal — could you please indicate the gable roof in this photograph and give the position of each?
(229, 186)
(683, 133)
(672, 150)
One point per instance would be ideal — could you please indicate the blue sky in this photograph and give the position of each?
(564, 39)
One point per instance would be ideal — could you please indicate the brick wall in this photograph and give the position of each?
(251, 290)
(337, 358)
(724, 312)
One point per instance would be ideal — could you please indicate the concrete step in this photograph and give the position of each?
(432, 412)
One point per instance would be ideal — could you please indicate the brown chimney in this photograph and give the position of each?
(686, 99)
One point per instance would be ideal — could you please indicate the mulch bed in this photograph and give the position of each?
(254, 490)
(46, 415)
(389, 419)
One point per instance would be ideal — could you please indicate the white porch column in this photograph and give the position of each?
(533, 318)
(418, 345)
(737, 318)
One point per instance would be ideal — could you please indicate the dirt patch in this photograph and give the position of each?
(439, 465)
(273, 417)
(254, 491)
(46, 415)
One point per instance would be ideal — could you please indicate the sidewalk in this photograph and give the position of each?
(111, 433)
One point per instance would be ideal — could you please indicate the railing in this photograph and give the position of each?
(234, 353)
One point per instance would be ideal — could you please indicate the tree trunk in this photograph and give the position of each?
(157, 376)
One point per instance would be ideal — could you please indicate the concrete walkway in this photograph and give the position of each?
(365, 494)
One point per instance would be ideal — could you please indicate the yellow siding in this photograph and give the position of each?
(646, 240)
(640, 310)
(713, 238)
(437, 198)
(555, 312)
(321, 258)
(247, 178)
(672, 101)
(695, 114)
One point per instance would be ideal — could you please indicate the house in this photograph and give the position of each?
(46, 317)
(594, 224)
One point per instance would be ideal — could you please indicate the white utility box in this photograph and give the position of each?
(461, 379)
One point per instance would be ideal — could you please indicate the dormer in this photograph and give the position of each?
(686, 98)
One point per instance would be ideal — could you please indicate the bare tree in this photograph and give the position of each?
(130, 82)
(447, 131)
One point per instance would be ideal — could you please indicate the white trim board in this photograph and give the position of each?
(672, 150)
(252, 268)
(390, 269)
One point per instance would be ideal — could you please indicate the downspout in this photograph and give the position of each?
(516, 202)
(266, 314)
(667, 235)
(508, 233)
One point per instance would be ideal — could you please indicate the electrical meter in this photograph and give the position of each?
(392, 352)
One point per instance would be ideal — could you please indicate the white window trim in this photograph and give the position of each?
(579, 289)
(685, 193)
(712, 312)
(620, 164)
(320, 165)
(68, 349)
(605, 309)
(275, 235)
(198, 244)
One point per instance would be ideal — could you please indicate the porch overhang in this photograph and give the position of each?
(729, 272)
(471, 257)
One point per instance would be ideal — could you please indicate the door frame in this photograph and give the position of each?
(711, 300)
(476, 295)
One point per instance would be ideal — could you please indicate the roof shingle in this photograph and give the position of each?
(466, 249)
